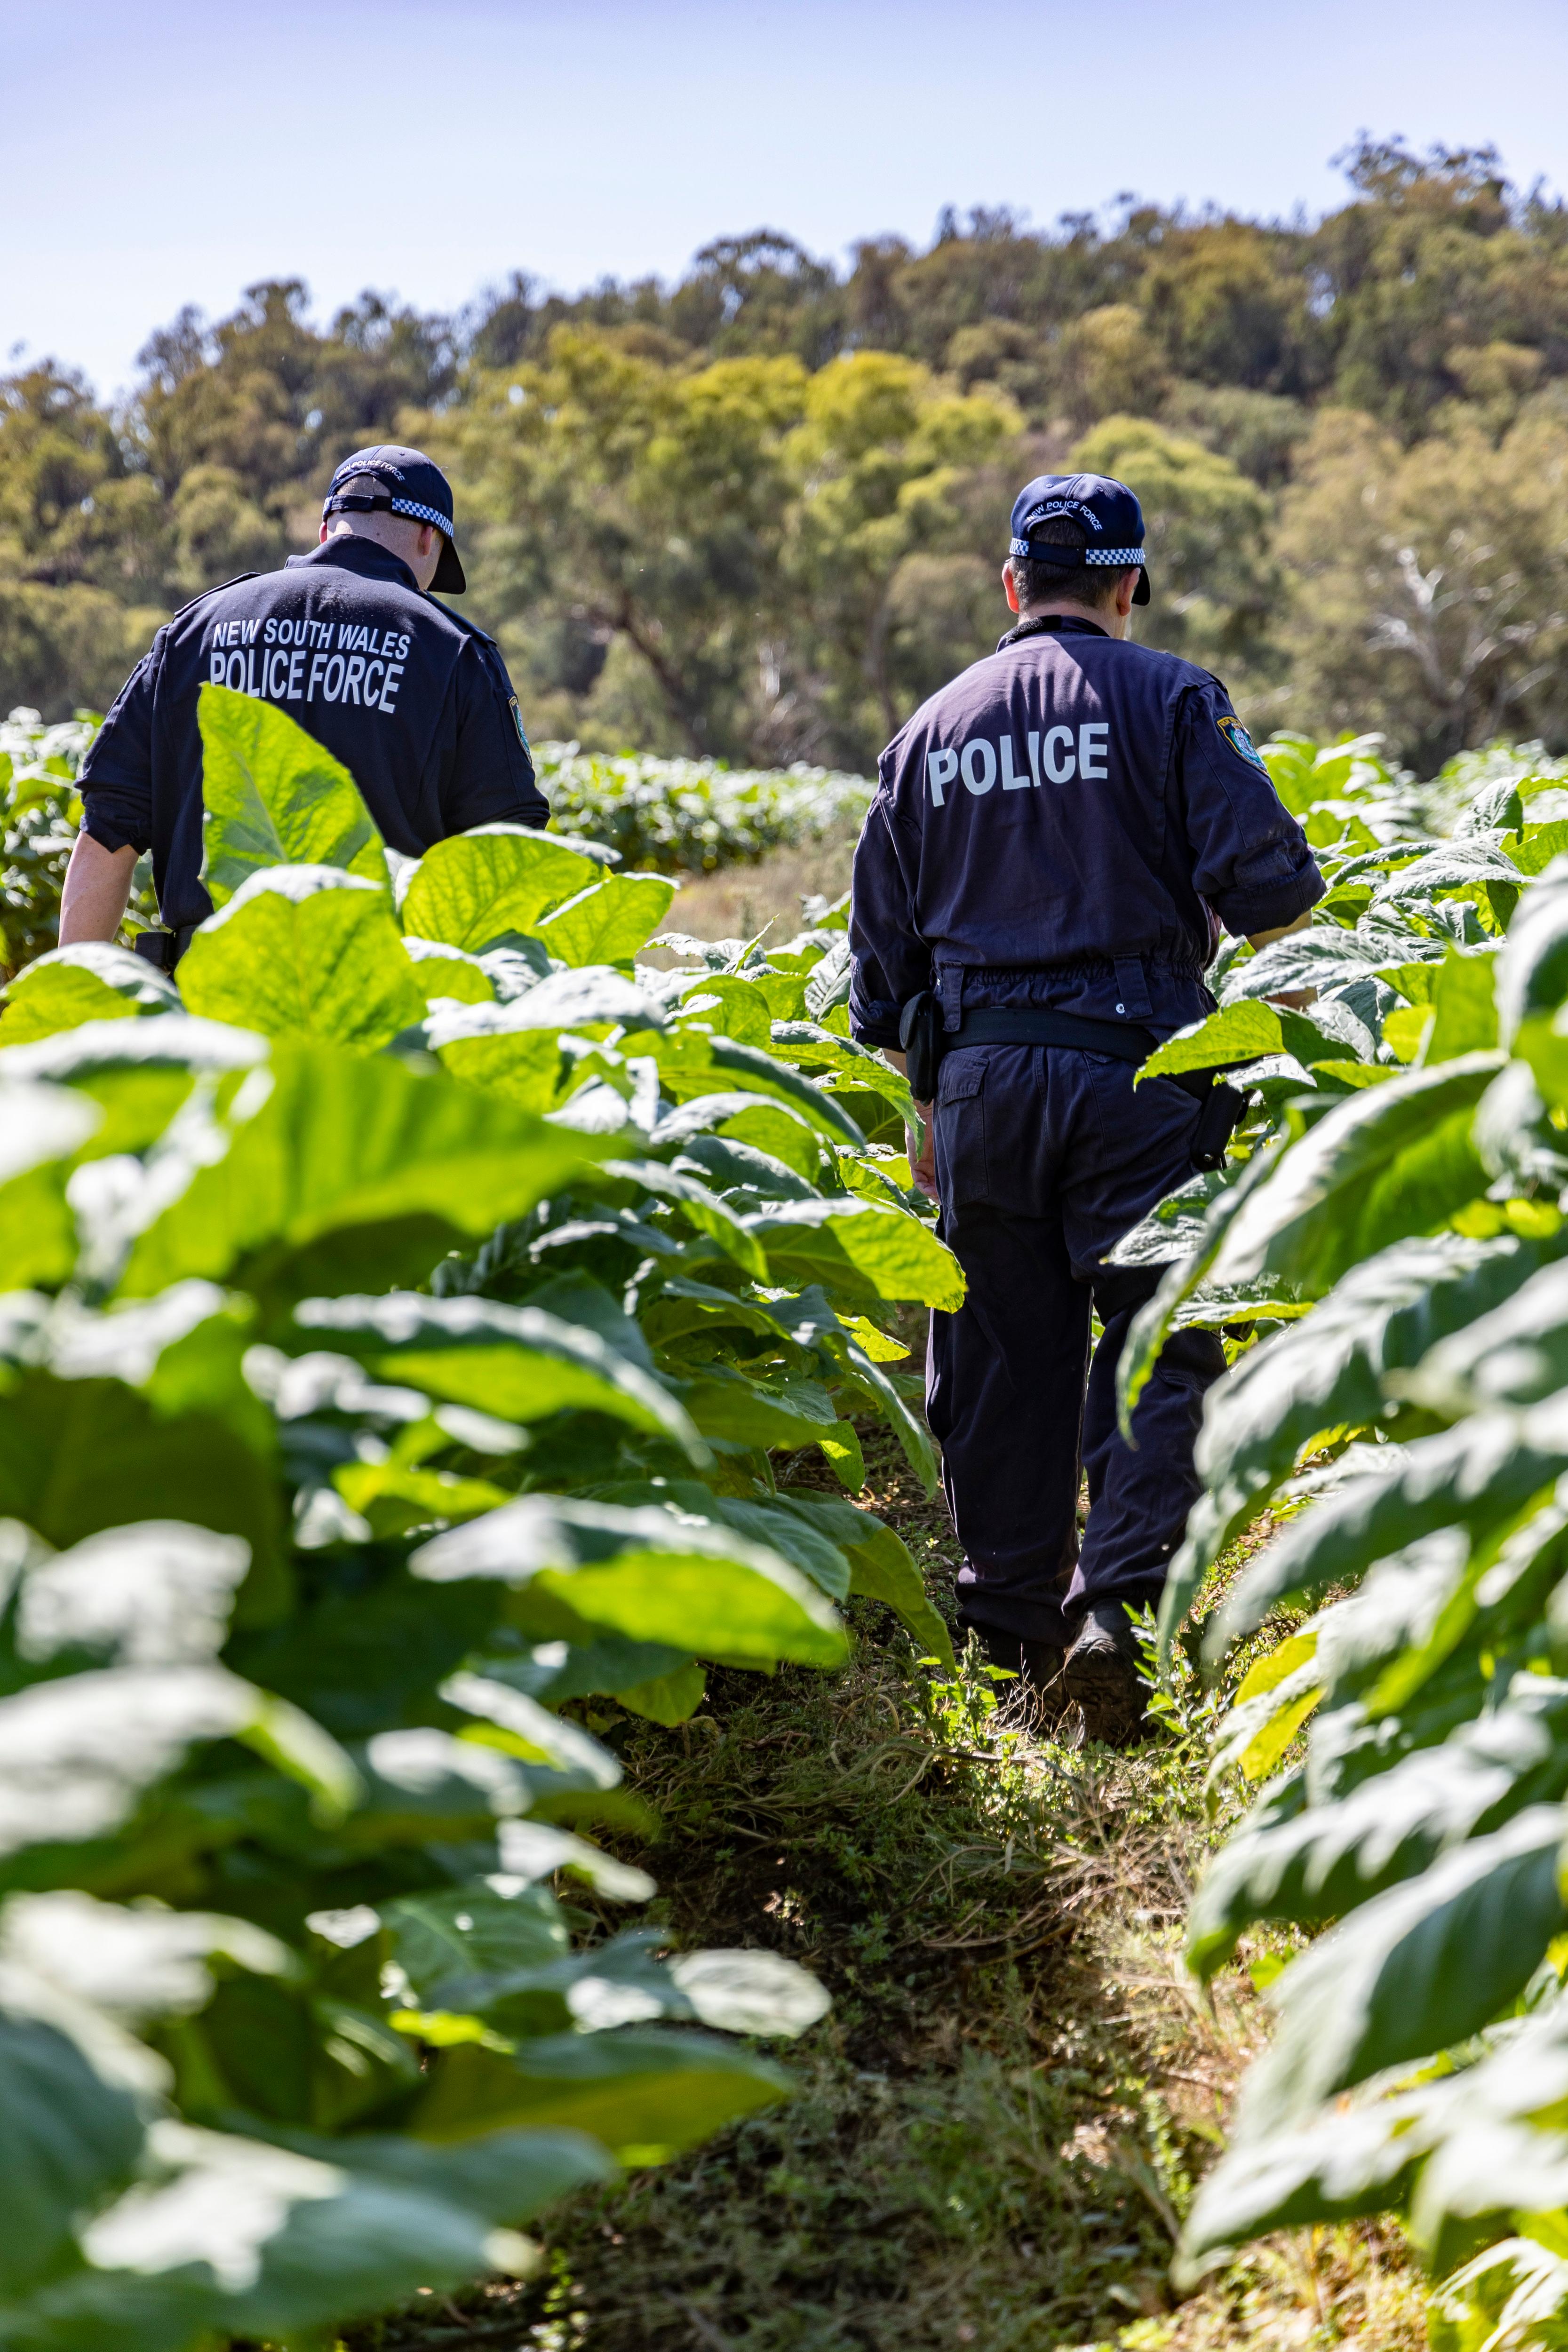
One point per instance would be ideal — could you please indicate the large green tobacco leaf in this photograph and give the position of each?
(1329, 1371)
(645, 2095)
(881, 1567)
(1188, 1255)
(1481, 1477)
(449, 972)
(1247, 1030)
(781, 1131)
(848, 1550)
(1465, 1017)
(72, 2132)
(580, 1570)
(800, 1538)
(1466, 868)
(699, 1207)
(1353, 2162)
(273, 796)
(229, 2236)
(446, 1939)
(693, 1064)
(621, 1980)
(842, 1066)
(156, 1593)
(79, 1456)
(517, 1361)
(305, 951)
(88, 982)
(1412, 1972)
(352, 1171)
(859, 1251)
(1322, 958)
(648, 1677)
(1515, 1355)
(474, 887)
(727, 1402)
(607, 922)
(1395, 1160)
(40, 1128)
(1460, 2152)
(76, 1753)
(1515, 2292)
(1318, 1863)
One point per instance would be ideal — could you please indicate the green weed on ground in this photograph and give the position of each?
(999, 2127)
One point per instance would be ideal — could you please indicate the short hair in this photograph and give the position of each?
(1036, 584)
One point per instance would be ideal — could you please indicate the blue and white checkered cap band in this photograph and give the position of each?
(423, 514)
(1124, 558)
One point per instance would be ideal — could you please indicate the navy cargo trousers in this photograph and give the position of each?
(1046, 1157)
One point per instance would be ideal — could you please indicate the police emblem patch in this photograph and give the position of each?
(516, 722)
(1237, 736)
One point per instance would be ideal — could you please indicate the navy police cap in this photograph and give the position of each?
(1112, 519)
(413, 487)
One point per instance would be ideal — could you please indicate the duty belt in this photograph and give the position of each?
(1027, 1024)
(924, 1040)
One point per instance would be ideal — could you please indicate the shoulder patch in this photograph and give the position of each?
(516, 722)
(1237, 736)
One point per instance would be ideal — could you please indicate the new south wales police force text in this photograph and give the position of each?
(267, 658)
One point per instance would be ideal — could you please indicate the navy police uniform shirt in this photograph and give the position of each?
(415, 702)
(1070, 809)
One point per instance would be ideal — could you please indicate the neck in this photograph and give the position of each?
(1104, 616)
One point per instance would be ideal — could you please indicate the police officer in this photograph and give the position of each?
(1056, 839)
(414, 701)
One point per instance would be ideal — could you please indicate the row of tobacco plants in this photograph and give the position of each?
(401, 1313)
(1387, 1250)
(674, 816)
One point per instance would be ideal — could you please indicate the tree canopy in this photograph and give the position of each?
(760, 511)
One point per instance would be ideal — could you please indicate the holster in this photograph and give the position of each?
(164, 948)
(920, 1036)
(1217, 1121)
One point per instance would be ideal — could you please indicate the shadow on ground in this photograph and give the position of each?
(1001, 2121)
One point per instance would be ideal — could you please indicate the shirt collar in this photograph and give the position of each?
(1068, 625)
(344, 551)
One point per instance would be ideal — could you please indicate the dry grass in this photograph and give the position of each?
(740, 900)
(1000, 2123)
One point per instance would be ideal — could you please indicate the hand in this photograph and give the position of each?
(923, 1151)
(921, 1148)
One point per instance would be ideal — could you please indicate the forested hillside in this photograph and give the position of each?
(759, 513)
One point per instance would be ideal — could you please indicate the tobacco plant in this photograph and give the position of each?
(406, 1314)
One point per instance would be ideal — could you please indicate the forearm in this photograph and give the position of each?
(1261, 939)
(1293, 999)
(97, 887)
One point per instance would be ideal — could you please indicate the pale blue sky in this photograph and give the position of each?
(175, 152)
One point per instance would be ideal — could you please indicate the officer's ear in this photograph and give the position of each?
(1010, 585)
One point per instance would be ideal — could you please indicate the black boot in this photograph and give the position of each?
(1101, 1676)
(1004, 1650)
(1038, 1666)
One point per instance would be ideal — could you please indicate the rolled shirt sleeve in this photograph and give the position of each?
(116, 780)
(889, 962)
(491, 779)
(1250, 858)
